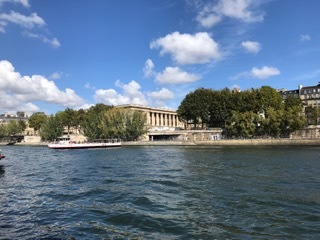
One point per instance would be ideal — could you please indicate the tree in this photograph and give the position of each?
(92, 121)
(51, 129)
(292, 121)
(269, 97)
(272, 124)
(243, 124)
(123, 123)
(21, 126)
(67, 118)
(134, 124)
(3, 130)
(255, 112)
(312, 115)
(36, 120)
(12, 128)
(187, 111)
(220, 107)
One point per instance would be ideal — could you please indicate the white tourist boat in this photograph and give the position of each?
(66, 143)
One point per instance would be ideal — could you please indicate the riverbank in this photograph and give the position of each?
(229, 142)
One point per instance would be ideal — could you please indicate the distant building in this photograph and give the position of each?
(164, 124)
(158, 118)
(5, 118)
(310, 95)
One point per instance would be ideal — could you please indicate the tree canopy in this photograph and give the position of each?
(99, 121)
(254, 112)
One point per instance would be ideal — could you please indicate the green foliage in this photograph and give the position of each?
(52, 128)
(243, 124)
(36, 120)
(188, 110)
(91, 121)
(67, 118)
(14, 128)
(312, 114)
(134, 124)
(123, 123)
(3, 130)
(255, 112)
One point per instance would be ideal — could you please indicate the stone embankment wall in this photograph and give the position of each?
(244, 142)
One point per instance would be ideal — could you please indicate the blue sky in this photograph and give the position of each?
(76, 53)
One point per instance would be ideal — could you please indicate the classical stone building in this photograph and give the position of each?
(164, 124)
(158, 118)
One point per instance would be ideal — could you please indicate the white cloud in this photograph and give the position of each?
(160, 97)
(174, 75)
(53, 42)
(26, 22)
(163, 94)
(211, 14)
(264, 72)
(22, 20)
(252, 47)
(305, 37)
(187, 48)
(148, 68)
(260, 73)
(24, 3)
(18, 91)
(131, 94)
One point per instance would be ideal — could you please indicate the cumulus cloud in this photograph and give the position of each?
(148, 68)
(187, 48)
(264, 72)
(243, 10)
(252, 47)
(131, 94)
(19, 92)
(163, 94)
(260, 73)
(160, 97)
(174, 75)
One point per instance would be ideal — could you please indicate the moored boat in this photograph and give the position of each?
(66, 143)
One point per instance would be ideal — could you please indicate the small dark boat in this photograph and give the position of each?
(2, 156)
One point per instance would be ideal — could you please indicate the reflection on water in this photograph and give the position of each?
(160, 193)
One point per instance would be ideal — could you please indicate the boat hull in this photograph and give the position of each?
(83, 145)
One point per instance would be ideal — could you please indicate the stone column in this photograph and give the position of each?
(166, 119)
(150, 119)
(157, 119)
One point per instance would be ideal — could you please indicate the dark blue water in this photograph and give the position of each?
(160, 193)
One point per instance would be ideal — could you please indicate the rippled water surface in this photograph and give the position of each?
(160, 193)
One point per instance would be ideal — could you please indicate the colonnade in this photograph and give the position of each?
(162, 119)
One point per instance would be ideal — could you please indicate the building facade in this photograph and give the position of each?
(158, 118)
(310, 95)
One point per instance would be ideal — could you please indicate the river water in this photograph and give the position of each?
(160, 192)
